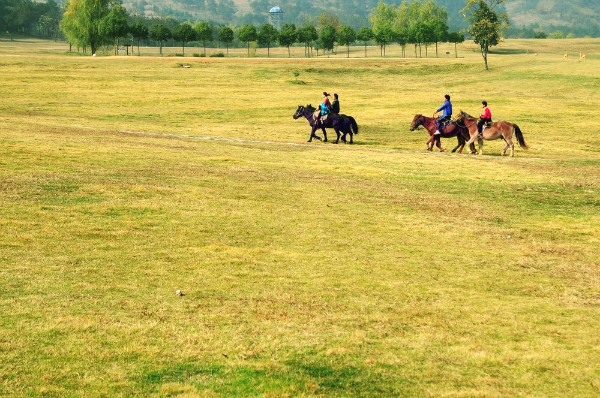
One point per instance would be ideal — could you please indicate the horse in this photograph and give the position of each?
(498, 130)
(343, 123)
(452, 130)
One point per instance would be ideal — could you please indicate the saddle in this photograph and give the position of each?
(318, 118)
(445, 123)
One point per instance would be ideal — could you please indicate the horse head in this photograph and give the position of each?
(416, 122)
(299, 112)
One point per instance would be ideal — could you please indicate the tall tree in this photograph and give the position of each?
(226, 36)
(327, 19)
(346, 36)
(456, 37)
(204, 33)
(114, 25)
(365, 34)
(307, 35)
(160, 33)
(267, 34)
(139, 31)
(328, 37)
(439, 31)
(247, 33)
(382, 18)
(81, 22)
(184, 33)
(486, 24)
(288, 36)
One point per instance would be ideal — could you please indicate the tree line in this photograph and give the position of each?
(95, 23)
(29, 17)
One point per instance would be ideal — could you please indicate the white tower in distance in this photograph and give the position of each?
(276, 17)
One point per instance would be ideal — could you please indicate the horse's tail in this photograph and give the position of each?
(520, 138)
(353, 125)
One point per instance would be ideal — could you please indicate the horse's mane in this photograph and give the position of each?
(310, 108)
(467, 116)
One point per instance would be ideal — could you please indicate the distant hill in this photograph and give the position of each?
(581, 17)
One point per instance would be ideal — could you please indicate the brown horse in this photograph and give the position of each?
(451, 130)
(499, 130)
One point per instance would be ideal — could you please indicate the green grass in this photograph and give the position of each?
(308, 270)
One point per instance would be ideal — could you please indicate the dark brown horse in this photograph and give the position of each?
(340, 123)
(498, 130)
(451, 130)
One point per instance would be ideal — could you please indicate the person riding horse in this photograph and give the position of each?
(323, 109)
(484, 118)
(446, 115)
(335, 106)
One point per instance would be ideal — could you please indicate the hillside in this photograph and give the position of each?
(577, 16)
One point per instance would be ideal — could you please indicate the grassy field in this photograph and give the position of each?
(308, 270)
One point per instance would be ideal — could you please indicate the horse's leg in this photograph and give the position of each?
(480, 144)
(324, 134)
(456, 147)
(337, 131)
(471, 143)
(438, 143)
(313, 135)
(506, 146)
(430, 143)
(511, 145)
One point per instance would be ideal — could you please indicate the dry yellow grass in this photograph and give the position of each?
(307, 270)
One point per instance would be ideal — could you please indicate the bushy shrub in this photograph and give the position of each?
(217, 55)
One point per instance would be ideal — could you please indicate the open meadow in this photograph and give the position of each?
(307, 269)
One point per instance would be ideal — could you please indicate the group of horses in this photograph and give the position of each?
(464, 128)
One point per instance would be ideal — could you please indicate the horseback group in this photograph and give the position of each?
(327, 115)
(467, 129)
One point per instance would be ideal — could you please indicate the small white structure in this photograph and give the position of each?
(276, 17)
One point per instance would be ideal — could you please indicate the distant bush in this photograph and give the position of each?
(217, 55)
(558, 34)
(571, 36)
(540, 35)
(198, 55)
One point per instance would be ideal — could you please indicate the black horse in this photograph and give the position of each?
(345, 124)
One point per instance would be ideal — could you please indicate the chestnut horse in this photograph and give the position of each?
(499, 130)
(451, 130)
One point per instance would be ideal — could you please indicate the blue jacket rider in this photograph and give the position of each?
(446, 116)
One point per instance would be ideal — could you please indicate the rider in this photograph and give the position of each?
(335, 106)
(447, 108)
(324, 107)
(486, 117)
